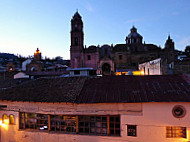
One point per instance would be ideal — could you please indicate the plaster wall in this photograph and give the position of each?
(151, 120)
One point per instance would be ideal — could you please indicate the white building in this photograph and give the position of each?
(25, 63)
(151, 67)
(107, 109)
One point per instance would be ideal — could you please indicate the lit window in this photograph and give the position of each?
(4, 119)
(132, 130)
(33, 121)
(11, 119)
(175, 132)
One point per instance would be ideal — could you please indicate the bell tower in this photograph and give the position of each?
(169, 50)
(77, 41)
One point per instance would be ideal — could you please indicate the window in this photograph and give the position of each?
(4, 119)
(175, 132)
(63, 123)
(93, 125)
(120, 57)
(76, 72)
(33, 121)
(82, 124)
(132, 130)
(100, 125)
(11, 119)
(114, 125)
(76, 41)
(88, 57)
(106, 51)
(179, 111)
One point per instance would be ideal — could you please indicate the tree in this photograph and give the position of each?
(187, 50)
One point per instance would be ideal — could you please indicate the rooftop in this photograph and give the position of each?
(106, 89)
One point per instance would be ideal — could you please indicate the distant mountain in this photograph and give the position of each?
(7, 55)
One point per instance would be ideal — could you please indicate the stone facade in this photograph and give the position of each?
(108, 58)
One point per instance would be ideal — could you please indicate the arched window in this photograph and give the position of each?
(11, 119)
(4, 118)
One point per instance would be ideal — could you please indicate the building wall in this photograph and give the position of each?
(151, 120)
(152, 67)
(93, 62)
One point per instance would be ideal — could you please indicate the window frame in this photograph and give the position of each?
(132, 131)
(109, 125)
(176, 132)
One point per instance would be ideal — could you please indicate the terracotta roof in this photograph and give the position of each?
(45, 90)
(107, 89)
(168, 88)
(11, 82)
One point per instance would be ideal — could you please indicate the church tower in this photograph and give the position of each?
(169, 50)
(77, 42)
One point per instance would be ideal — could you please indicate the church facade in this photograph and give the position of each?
(108, 58)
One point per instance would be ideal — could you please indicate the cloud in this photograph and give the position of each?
(89, 7)
(175, 13)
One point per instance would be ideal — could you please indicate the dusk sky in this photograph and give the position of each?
(45, 24)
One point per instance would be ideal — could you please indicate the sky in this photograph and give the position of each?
(45, 24)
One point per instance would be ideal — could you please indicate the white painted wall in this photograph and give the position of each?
(153, 67)
(20, 75)
(151, 120)
(25, 63)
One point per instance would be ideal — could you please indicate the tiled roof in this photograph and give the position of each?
(135, 89)
(120, 48)
(45, 90)
(11, 82)
(107, 89)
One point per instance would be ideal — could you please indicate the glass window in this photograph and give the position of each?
(96, 125)
(175, 132)
(33, 121)
(63, 123)
(132, 130)
(99, 125)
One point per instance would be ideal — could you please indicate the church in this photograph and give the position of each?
(109, 58)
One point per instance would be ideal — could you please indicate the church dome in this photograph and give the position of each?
(134, 37)
(134, 33)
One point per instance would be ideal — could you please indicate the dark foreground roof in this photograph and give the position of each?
(108, 89)
(45, 90)
(167, 88)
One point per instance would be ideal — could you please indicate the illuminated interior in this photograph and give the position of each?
(37, 51)
(4, 124)
(141, 72)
